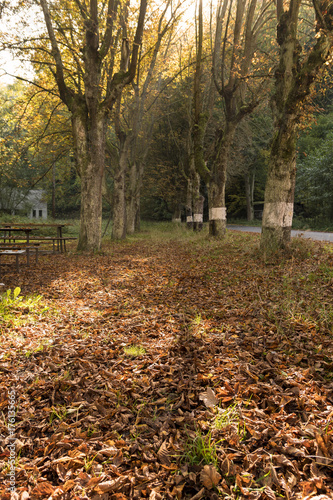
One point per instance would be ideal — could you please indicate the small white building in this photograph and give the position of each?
(33, 203)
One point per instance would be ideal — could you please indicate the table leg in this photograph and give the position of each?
(59, 233)
(27, 249)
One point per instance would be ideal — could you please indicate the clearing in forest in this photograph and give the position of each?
(170, 366)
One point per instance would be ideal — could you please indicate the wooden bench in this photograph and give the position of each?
(39, 239)
(16, 253)
(54, 240)
(22, 246)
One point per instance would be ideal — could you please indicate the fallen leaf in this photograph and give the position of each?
(210, 477)
(209, 398)
(42, 490)
(163, 454)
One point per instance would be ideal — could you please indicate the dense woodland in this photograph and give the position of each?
(163, 110)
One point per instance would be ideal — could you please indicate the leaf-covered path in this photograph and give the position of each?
(172, 368)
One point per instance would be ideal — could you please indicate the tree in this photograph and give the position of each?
(131, 128)
(239, 77)
(37, 148)
(298, 69)
(19, 169)
(164, 180)
(247, 168)
(200, 118)
(83, 50)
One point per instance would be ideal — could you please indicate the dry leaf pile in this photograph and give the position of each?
(172, 370)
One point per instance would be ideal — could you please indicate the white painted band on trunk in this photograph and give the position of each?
(218, 213)
(197, 218)
(189, 218)
(176, 220)
(278, 214)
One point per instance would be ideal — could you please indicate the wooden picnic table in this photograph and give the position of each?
(59, 226)
(16, 254)
(16, 251)
(5, 228)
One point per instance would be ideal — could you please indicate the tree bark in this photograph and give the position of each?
(90, 109)
(231, 83)
(133, 196)
(129, 129)
(189, 204)
(119, 194)
(249, 191)
(197, 203)
(216, 186)
(280, 188)
(177, 214)
(293, 80)
(200, 118)
(90, 151)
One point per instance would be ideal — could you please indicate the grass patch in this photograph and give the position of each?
(227, 417)
(200, 449)
(16, 309)
(134, 351)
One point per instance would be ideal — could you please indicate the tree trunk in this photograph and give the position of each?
(177, 214)
(89, 109)
(188, 207)
(197, 203)
(119, 196)
(249, 189)
(90, 150)
(293, 80)
(53, 191)
(216, 186)
(217, 208)
(280, 188)
(133, 196)
(280, 184)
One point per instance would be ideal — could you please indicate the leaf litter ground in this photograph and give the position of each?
(172, 367)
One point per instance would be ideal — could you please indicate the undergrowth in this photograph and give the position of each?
(15, 309)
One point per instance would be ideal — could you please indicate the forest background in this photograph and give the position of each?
(220, 68)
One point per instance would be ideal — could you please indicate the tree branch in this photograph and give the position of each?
(65, 93)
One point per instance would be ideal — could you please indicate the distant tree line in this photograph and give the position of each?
(135, 110)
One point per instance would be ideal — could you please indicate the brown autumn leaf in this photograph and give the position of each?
(317, 497)
(269, 493)
(209, 398)
(69, 484)
(210, 477)
(163, 454)
(178, 491)
(155, 495)
(107, 486)
(42, 490)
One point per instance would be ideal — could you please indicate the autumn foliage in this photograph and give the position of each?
(171, 366)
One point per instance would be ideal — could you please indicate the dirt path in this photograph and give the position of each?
(312, 235)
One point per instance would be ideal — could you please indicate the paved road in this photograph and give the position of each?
(313, 235)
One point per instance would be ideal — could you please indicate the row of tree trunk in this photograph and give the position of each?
(294, 76)
(231, 67)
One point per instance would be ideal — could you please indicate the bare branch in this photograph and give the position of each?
(107, 39)
(65, 92)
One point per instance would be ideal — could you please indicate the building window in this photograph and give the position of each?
(40, 213)
(34, 213)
